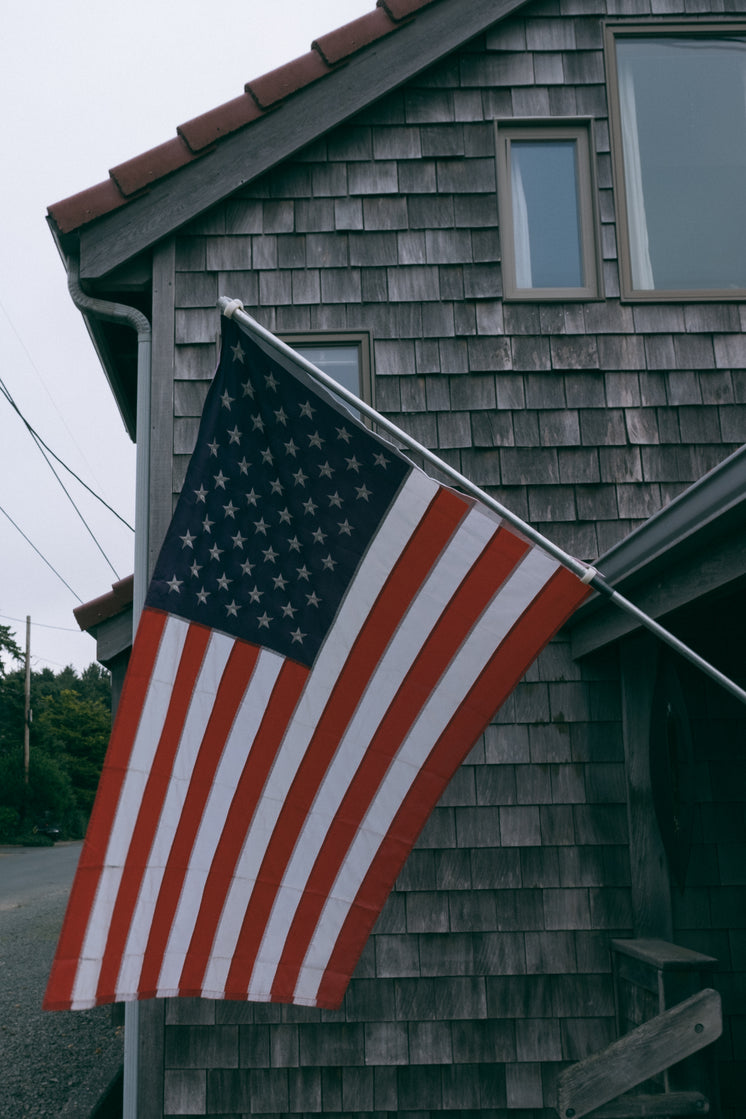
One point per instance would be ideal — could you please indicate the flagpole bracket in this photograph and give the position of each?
(594, 578)
(230, 306)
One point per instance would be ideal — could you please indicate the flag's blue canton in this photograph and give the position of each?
(283, 494)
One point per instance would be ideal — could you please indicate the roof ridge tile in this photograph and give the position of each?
(70, 213)
(206, 129)
(346, 40)
(286, 79)
(399, 10)
(135, 175)
(107, 605)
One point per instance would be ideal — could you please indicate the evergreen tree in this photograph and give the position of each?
(8, 647)
(75, 732)
(68, 739)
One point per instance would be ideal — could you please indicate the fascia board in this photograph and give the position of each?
(716, 495)
(172, 202)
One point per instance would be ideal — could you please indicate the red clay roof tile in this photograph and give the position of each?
(287, 79)
(206, 129)
(402, 9)
(136, 174)
(92, 203)
(107, 605)
(355, 35)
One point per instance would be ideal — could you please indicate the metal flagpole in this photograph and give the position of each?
(233, 308)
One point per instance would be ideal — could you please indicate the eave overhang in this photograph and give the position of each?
(692, 549)
(108, 619)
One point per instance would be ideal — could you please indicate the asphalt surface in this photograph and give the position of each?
(56, 1063)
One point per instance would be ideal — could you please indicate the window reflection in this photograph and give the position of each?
(546, 216)
(682, 117)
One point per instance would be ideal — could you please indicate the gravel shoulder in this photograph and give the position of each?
(51, 1063)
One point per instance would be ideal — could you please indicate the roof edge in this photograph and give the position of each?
(106, 606)
(202, 132)
(715, 495)
(372, 56)
(692, 548)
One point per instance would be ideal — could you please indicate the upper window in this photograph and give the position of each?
(547, 218)
(678, 106)
(345, 357)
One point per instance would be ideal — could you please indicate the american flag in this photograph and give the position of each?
(326, 634)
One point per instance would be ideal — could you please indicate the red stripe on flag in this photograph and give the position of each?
(144, 831)
(280, 708)
(494, 565)
(557, 600)
(82, 896)
(432, 534)
(228, 698)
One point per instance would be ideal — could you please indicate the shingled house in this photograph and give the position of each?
(518, 229)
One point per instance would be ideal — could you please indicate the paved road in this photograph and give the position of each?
(30, 873)
(51, 1064)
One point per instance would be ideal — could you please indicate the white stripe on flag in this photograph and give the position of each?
(153, 715)
(232, 762)
(200, 709)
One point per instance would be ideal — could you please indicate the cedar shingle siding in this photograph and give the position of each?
(489, 970)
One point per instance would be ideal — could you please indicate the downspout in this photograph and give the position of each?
(132, 317)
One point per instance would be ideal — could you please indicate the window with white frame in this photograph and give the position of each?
(547, 211)
(678, 120)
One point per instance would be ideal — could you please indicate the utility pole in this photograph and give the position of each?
(27, 708)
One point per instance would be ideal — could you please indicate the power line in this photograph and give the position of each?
(46, 561)
(9, 398)
(33, 365)
(38, 441)
(87, 527)
(41, 443)
(37, 660)
(41, 625)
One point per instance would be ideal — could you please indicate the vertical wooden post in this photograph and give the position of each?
(651, 889)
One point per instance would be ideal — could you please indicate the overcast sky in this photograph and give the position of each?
(84, 85)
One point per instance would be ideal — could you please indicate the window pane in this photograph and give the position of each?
(683, 115)
(546, 214)
(340, 362)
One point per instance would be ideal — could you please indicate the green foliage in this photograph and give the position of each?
(8, 647)
(11, 712)
(76, 731)
(68, 738)
(9, 823)
(49, 796)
